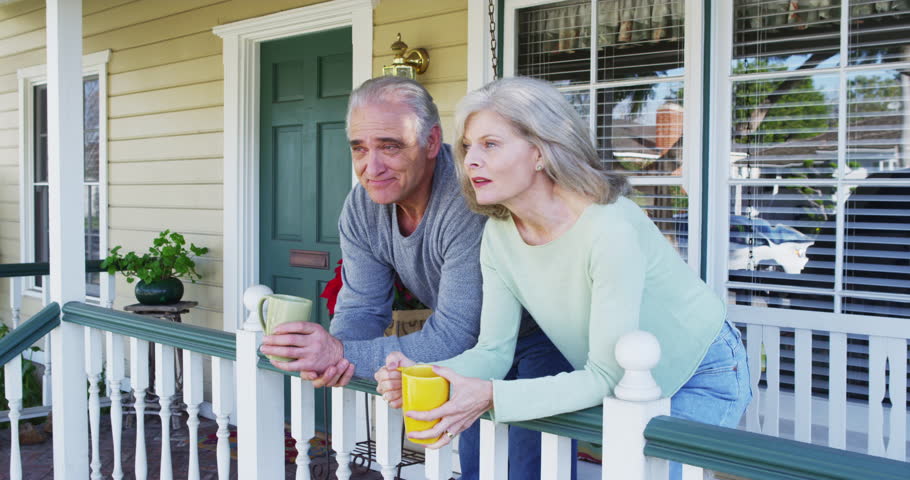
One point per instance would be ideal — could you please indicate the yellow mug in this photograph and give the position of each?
(283, 309)
(421, 390)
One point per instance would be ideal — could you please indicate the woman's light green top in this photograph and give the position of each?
(612, 272)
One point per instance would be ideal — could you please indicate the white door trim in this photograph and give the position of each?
(241, 124)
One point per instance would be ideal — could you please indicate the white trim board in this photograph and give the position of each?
(240, 52)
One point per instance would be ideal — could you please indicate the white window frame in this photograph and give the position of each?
(693, 83)
(93, 64)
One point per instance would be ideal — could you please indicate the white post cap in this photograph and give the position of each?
(637, 352)
(251, 297)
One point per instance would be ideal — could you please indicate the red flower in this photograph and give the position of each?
(330, 292)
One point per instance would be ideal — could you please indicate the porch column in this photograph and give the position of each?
(67, 257)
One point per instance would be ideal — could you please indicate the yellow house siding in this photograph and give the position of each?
(441, 28)
(165, 121)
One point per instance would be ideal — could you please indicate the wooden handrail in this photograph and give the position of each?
(32, 330)
(9, 270)
(761, 457)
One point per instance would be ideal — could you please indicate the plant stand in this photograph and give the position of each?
(170, 312)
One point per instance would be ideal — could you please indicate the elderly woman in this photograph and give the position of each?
(565, 243)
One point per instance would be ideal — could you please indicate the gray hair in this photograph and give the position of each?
(399, 90)
(543, 116)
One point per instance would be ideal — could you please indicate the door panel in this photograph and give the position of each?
(305, 162)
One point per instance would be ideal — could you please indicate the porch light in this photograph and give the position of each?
(407, 63)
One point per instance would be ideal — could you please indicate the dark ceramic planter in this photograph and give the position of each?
(161, 292)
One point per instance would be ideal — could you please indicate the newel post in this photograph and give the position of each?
(260, 401)
(635, 401)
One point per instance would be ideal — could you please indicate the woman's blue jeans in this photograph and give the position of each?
(719, 391)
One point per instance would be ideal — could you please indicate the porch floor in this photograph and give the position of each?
(38, 460)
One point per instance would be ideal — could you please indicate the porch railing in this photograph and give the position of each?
(636, 444)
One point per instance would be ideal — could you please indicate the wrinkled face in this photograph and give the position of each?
(499, 161)
(388, 160)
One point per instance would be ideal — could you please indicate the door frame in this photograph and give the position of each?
(240, 53)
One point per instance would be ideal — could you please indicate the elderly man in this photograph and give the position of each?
(407, 218)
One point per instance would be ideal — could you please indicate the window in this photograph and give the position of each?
(820, 152)
(33, 90)
(623, 65)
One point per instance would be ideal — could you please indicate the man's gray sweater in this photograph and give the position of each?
(439, 263)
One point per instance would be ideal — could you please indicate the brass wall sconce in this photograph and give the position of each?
(407, 63)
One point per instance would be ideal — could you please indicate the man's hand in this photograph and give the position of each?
(388, 378)
(337, 375)
(313, 348)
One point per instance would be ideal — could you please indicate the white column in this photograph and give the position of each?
(260, 404)
(114, 377)
(303, 423)
(555, 457)
(93, 363)
(494, 450)
(165, 385)
(636, 401)
(139, 377)
(438, 463)
(13, 388)
(388, 438)
(222, 405)
(67, 250)
(343, 429)
(192, 396)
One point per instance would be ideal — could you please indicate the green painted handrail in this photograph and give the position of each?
(29, 332)
(206, 341)
(9, 270)
(581, 425)
(761, 457)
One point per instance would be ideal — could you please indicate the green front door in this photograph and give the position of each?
(305, 162)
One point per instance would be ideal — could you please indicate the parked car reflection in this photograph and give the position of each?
(755, 244)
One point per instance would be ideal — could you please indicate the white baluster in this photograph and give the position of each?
(802, 415)
(837, 391)
(114, 378)
(13, 384)
(691, 472)
(388, 438)
(260, 402)
(555, 456)
(222, 404)
(754, 354)
(771, 340)
(303, 423)
(164, 387)
(344, 417)
(93, 362)
(15, 299)
(192, 396)
(635, 401)
(877, 358)
(108, 290)
(139, 377)
(494, 450)
(897, 389)
(46, 390)
(438, 463)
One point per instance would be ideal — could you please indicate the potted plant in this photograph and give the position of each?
(159, 271)
(408, 312)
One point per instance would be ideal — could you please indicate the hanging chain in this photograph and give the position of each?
(491, 9)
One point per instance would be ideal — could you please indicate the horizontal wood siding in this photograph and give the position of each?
(165, 112)
(165, 122)
(441, 28)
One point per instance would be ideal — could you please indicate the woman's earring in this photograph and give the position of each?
(539, 167)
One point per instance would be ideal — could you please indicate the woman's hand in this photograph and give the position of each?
(470, 398)
(388, 378)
